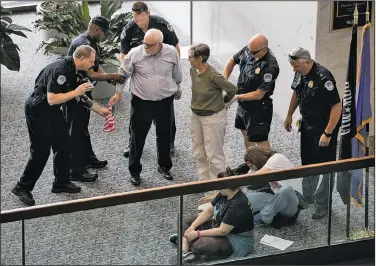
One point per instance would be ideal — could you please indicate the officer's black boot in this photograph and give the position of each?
(24, 195)
(68, 188)
(97, 164)
(84, 176)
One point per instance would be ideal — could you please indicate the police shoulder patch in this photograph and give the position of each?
(129, 25)
(329, 85)
(61, 80)
(268, 77)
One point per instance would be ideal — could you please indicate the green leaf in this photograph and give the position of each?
(108, 8)
(16, 32)
(9, 56)
(16, 27)
(5, 11)
(85, 12)
(6, 38)
(7, 19)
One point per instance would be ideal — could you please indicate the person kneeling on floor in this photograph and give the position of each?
(275, 203)
(230, 234)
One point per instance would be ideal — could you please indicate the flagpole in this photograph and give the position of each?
(355, 23)
(366, 145)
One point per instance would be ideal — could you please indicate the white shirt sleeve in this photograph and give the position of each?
(126, 69)
(278, 162)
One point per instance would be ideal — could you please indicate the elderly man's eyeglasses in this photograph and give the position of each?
(256, 52)
(294, 57)
(149, 45)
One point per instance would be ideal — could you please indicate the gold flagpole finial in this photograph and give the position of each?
(367, 14)
(356, 15)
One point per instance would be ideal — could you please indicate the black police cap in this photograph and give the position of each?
(101, 22)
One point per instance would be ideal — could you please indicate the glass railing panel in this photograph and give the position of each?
(354, 227)
(11, 243)
(133, 234)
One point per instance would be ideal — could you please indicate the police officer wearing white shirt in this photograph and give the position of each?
(155, 76)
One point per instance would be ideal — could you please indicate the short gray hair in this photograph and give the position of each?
(300, 54)
(83, 51)
(201, 49)
(157, 34)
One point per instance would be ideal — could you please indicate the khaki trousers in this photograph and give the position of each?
(208, 137)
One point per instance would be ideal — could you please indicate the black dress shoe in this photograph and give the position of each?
(24, 195)
(84, 177)
(135, 180)
(166, 174)
(97, 164)
(173, 238)
(68, 188)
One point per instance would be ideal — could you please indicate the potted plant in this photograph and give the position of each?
(73, 22)
(48, 12)
(9, 50)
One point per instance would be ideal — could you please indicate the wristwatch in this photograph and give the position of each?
(327, 134)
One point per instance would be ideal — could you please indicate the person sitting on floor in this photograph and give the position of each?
(278, 203)
(229, 235)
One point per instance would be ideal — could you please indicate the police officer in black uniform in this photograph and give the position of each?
(133, 35)
(56, 84)
(258, 72)
(83, 156)
(316, 94)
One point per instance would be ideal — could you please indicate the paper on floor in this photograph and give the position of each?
(276, 242)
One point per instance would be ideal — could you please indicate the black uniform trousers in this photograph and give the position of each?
(312, 153)
(47, 128)
(143, 113)
(82, 154)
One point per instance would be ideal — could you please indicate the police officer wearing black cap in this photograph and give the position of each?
(316, 94)
(133, 36)
(258, 72)
(83, 156)
(55, 84)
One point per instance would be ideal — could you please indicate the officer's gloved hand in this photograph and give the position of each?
(235, 98)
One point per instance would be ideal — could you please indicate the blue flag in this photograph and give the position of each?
(363, 114)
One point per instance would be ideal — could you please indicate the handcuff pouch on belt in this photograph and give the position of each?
(86, 101)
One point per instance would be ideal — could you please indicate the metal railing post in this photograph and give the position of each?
(331, 183)
(180, 232)
(23, 241)
(191, 22)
